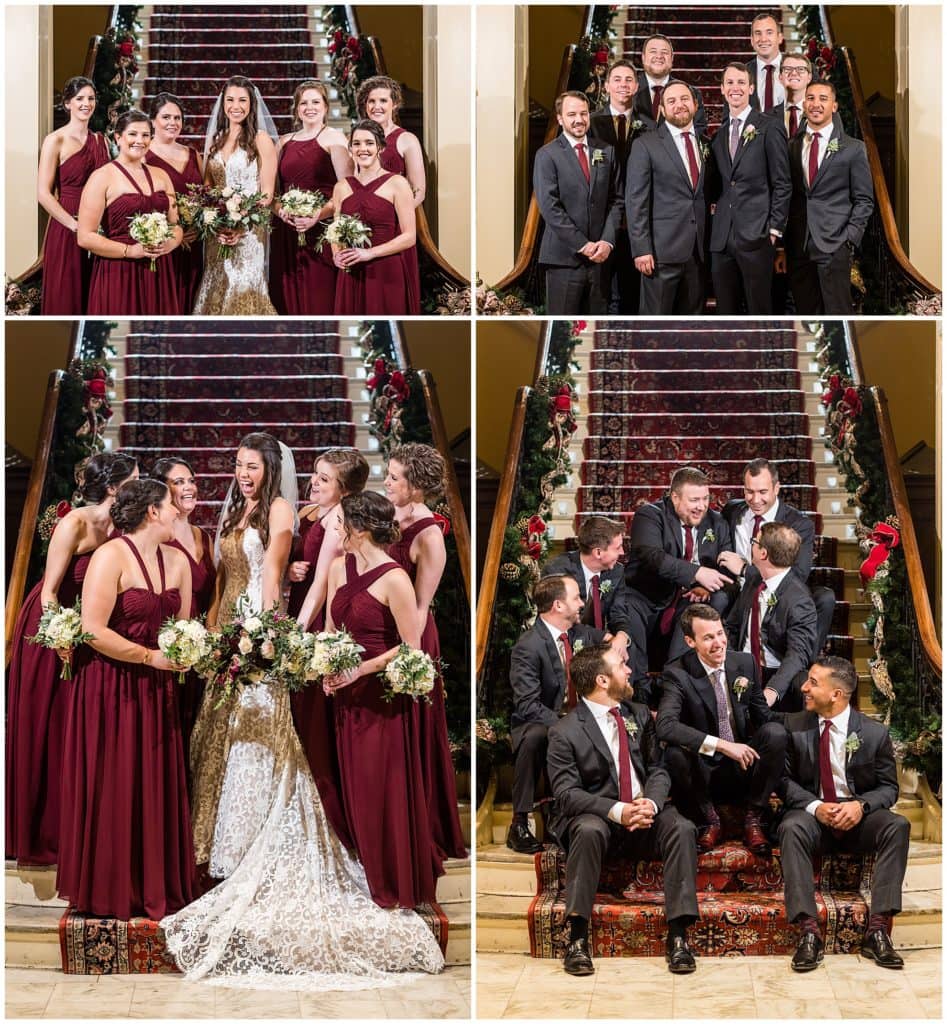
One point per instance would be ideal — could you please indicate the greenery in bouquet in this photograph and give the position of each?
(348, 232)
(186, 642)
(411, 673)
(150, 229)
(60, 629)
(231, 209)
(299, 202)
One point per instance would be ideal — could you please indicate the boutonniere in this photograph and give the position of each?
(636, 126)
(831, 148)
(605, 586)
(704, 150)
(852, 743)
(772, 601)
(598, 157)
(749, 134)
(577, 646)
(709, 537)
(631, 727)
(740, 685)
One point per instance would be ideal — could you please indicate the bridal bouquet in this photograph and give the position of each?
(190, 206)
(232, 209)
(348, 232)
(297, 202)
(60, 629)
(411, 672)
(150, 229)
(185, 642)
(333, 653)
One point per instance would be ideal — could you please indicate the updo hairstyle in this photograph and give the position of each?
(102, 471)
(423, 465)
(373, 514)
(133, 501)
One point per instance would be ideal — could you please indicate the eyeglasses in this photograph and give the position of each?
(754, 540)
(794, 72)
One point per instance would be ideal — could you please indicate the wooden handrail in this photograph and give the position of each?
(542, 351)
(491, 568)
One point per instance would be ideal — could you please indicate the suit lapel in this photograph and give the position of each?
(580, 576)
(671, 147)
(812, 747)
(739, 708)
(752, 119)
(702, 685)
(594, 733)
(572, 160)
(828, 157)
(854, 724)
(553, 651)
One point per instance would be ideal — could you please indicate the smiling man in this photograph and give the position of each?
(657, 62)
(766, 37)
(841, 782)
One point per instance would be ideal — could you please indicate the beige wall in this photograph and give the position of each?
(444, 349)
(73, 27)
(868, 31)
(398, 28)
(551, 30)
(32, 351)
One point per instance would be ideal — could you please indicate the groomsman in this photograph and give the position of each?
(657, 62)
(576, 188)
(841, 782)
(665, 208)
(610, 790)
(723, 742)
(774, 619)
(832, 201)
(766, 39)
(751, 209)
(617, 125)
(597, 570)
(761, 504)
(542, 691)
(795, 74)
(672, 562)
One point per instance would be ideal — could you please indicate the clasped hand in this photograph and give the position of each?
(230, 236)
(349, 257)
(330, 684)
(597, 252)
(637, 814)
(843, 816)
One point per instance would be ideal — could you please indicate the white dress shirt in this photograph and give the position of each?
(837, 755)
(769, 659)
(609, 728)
(556, 633)
(695, 557)
(741, 117)
(677, 134)
(709, 747)
(588, 574)
(743, 534)
(779, 92)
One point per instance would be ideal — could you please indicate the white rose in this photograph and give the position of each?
(227, 192)
(267, 649)
(233, 205)
(209, 216)
(245, 645)
(252, 625)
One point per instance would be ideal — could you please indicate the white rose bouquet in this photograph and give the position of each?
(411, 672)
(349, 232)
(185, 642)
(298, 202)
(232, 209)
(60, 629)
(333, 653)
(150, 229)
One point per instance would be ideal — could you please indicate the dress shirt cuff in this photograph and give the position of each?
(653, 804)
(614, 812)
(709, 747)
(811, 808)
(778, 234)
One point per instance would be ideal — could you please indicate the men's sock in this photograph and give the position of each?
(520, 818)
(808, 925)
(677, 929)
(876, 921)
(578, 928)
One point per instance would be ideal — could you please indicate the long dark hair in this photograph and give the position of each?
(269, 450)
(249, 127)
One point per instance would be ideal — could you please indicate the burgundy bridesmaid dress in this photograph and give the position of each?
(438, 766)
(302, 278)
(306, 545)
(203, 578)
(380, 758)
(67, 269)
(188, 263)
(125, 840)
(127, 287)
(382, 286)
(37, 705)
(393, 161)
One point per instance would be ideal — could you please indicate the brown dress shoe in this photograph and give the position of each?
(709, 836)
(754, 837)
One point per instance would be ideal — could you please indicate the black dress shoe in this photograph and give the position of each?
(679, 957)
(578, 959)
(520, 839)
(809, 953)
(877, 946)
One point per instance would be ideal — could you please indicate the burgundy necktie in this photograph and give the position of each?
(757, 524)
(718, 678)
(667, 616)
(596, 603)
(793, 120)
(691, 160)
(768, 89)
(624, 758)
(813, 157)
(656, 101)
(756, 646)
(621, 133)
(567, 658)
(583, 161)
(826, 778)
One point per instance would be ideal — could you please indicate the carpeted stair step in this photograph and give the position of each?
(710, 358)
(166, 70)
(239, 19)
(727, 334)
(683, 450)
(209, 434)
(695, 402)
(288, 390)
(178, 40)
(221, 364)
(608, 500)
(694, 379)
(251, 410)
(608, 472)
(830, 577)
(199, 86)
(749, 424)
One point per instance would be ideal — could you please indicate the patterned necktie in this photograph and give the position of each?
(826, 779)
(656, 101)
(691, 160)
(596, 602)
(813, 156)
(768, 89)
(793, 120)
(567, 661)
(756, 646)
(624, 758)
(583, 161)
(621, 133)
(719, 681)
(734, 137)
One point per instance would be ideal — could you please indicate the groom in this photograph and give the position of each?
(610, 789)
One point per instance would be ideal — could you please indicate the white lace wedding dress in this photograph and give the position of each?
(294, 909)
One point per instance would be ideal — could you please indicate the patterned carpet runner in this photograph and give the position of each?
(194, 389)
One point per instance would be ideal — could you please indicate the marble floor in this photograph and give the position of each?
(758, 988)
(45, 993)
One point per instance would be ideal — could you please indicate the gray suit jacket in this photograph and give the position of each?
(614, 609)
(734, 511)
(575, 212)
(666, 214)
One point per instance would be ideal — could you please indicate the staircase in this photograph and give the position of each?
(654, 396)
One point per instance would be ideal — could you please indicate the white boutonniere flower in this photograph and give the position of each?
(740, 685)
(772, 601)
(631, 727)
(577, 646)
(605, 586)
(852, 743)
(636, 126)
(709, 537)
(598, 157)
(749, 134)
(831, 148)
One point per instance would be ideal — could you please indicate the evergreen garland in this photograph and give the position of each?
(352, 60)
(116, 65)
(593, 55)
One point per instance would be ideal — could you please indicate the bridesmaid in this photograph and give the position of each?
(38, 698)
(378, 740)
(122, 281)
(67, 157)
(313, 157)
(416, 472)
(198, 547)
(183, 166)
(338, 472)
(126, 830)
(379, 99)
(382, 278)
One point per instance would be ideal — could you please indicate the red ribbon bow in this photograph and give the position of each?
(443, 522)
(885, 538)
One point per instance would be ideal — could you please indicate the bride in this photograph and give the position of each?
(294, 909)
(239, 153)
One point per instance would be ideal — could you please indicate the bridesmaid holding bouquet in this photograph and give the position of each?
(67, 158)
